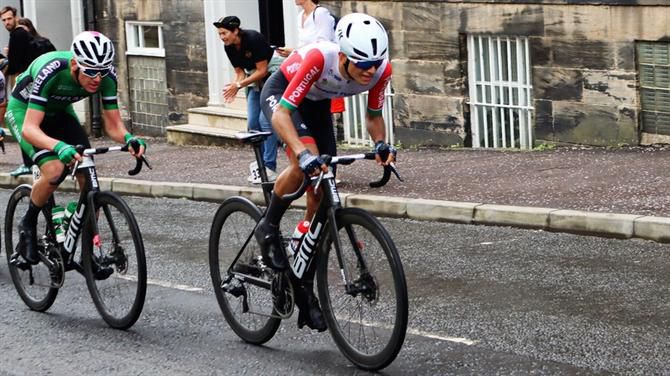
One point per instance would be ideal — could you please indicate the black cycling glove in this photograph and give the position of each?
(309, 162)
(383, 149)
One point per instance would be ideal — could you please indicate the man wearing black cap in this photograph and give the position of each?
(249, 53)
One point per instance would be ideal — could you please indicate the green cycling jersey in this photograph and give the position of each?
(48, 86)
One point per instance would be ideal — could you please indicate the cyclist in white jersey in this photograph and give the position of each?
(296, 98)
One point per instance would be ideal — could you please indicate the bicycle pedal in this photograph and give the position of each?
(18, 262)
(234, 287)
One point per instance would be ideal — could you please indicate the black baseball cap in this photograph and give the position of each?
(229, 22)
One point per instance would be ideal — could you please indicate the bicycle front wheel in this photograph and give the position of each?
(363, 292)
(114, 262)
(33, 284)
(249, 309)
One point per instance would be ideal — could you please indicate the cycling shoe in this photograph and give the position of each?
(271, 247)
(27, 245)
(310, 311)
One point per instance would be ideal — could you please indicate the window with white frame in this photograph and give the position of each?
(500, 91)
(144, 38)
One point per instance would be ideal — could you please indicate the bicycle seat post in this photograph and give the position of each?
(267, 188)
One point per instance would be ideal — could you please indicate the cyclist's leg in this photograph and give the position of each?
(27, 243)
(319, 120)
(61, 126)
(267, 232)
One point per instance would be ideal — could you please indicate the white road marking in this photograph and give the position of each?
(169, 285)
(176, 286)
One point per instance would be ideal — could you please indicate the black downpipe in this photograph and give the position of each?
(96, 118)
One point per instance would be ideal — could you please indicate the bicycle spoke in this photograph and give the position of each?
(368, 315)
(231, 229)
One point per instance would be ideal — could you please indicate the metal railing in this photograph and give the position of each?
(355, 130)
(501, 94)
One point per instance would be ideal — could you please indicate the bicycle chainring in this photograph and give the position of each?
(57, 267)
(283, 297)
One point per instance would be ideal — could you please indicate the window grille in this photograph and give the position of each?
(355, 128)
(654, 75)
(500, 92)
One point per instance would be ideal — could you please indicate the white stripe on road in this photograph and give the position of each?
(169, 285)
(416, 332)
(464, 341)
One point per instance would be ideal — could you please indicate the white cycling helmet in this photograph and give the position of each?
(93, 50)
(362, 37)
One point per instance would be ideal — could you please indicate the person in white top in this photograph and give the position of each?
(315, 23)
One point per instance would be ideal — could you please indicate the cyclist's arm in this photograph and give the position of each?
(307, 74)
(376, 127)
(376, 98)
(115, 128)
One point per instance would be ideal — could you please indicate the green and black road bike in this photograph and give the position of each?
(111, 256)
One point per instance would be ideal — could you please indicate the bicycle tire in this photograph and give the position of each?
(37, 296)
(108, 266)
(239, 216)
(381, 297)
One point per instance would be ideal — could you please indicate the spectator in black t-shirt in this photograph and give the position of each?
(19, 56)
(18, 51)
(250, 54)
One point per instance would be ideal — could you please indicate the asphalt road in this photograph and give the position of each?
(483, 300)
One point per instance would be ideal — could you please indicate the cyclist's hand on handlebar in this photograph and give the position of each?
(311, 164)
(66, 152)
(136, 145)
(384, 153)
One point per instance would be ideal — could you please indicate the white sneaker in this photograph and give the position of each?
(272, 176)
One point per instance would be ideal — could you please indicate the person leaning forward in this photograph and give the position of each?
(249, 53)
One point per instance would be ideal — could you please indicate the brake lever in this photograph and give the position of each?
(394, 169)
(318, 182)
(74, 169)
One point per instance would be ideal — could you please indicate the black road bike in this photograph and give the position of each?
(360, 279)
(112, 252)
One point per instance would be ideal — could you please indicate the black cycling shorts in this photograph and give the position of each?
(312, 119)
(61, 126)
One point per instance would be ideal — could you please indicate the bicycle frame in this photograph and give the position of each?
(83, 209)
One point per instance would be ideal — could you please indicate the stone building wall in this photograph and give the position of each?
(584, 73)
(185, 52)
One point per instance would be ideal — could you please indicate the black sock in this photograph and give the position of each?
(276, 210)
(32, 214)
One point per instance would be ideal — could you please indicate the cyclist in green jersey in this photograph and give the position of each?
(41, 118)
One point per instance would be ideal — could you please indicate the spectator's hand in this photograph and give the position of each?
(66, 152)
(384, 153)
(229, 92)
(284, 51)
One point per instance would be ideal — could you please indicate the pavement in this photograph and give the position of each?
(621, 192)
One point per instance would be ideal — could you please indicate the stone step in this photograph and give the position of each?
(193, 134)
(218, 117)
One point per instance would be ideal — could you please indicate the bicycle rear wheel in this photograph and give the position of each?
(34, 284)
(249, 313)
(367, 318)
(114, 262)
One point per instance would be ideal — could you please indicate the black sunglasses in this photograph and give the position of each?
(365, 65)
